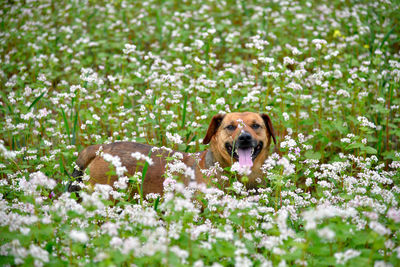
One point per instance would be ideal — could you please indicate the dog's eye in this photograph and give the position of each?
(230, 127)
(255, 126)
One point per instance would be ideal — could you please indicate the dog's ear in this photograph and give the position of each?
(269, 126)
(213, 127)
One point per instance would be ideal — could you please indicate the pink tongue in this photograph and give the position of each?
(245, 157)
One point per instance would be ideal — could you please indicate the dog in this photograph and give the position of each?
(234, 137)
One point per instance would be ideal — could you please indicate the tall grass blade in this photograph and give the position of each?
(145, 168)
(387, 36)
(66, 124)
(36, 100)
(156, 203)
(184, 111)
(74, 129)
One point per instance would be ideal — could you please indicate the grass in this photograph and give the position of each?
(76, 74)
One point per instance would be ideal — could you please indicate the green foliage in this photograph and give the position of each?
(75, 74)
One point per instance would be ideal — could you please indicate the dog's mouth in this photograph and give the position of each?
(244, 155)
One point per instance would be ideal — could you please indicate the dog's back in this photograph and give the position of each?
(98, 167)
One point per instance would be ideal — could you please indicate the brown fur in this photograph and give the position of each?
(99, 168)
(217, 136)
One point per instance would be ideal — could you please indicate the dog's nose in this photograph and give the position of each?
(245, 137)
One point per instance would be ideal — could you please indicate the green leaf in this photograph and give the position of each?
(354, 145)
(313, 155)
(360, 239)
(369, 150)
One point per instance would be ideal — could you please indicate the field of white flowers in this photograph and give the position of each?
(75, 73)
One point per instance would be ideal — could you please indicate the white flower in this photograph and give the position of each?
(242, 170)
(116, 242)
(345, 140)
(198, 263)
(343, 93)
(312, 217)
(182, 254)
(198, 43)
(7, 154)
(365, 122)
(288, 168)
(131, 243)
(177, 155)
(36, 179)
(288, 60)
(318, 43)
(78, 236)
(175, 138)
(398, 252)
(39, 253)
(394, 214)
(103, 190)
(116, 162)
(129, 48)
(285, 116)
(100, 257)
(109, 228)
(25, 230)
(42, 77)
(379, 228)
(237, 186)
(243, 261)
(326, 233)
(220, 101)
(241, 124)
(96, 117)
(389, 244)
(266, 59)
(122, 183)
(382, 264)
(295, 86)
(140, 156)
(169, 184)
(90, 76)
(342, 258)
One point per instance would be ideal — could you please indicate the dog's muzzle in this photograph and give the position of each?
(245, 149)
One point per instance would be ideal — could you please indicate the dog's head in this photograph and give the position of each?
(243, 137)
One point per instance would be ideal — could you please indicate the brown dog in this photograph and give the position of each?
(235, 137)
